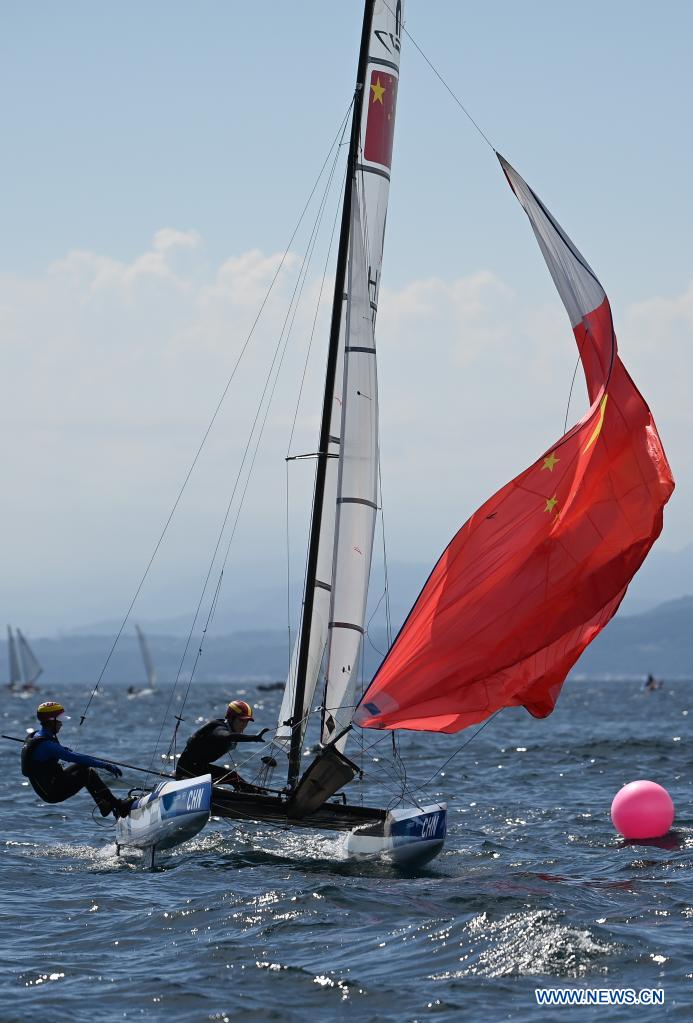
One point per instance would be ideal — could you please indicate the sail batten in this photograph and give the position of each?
(539, 570)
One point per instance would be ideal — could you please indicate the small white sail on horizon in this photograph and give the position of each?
(31, 669)
(146, 657)
(15, 679)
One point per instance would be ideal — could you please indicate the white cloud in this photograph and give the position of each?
(168, 239)
(113, 369)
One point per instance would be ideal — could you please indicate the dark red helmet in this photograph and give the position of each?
(240, 709)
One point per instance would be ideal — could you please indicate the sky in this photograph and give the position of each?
(156, 160)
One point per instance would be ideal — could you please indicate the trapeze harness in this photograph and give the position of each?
(213, 740)
(53, 783)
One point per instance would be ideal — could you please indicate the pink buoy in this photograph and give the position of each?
(642, 809)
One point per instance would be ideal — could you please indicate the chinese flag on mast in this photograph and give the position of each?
(380, 126)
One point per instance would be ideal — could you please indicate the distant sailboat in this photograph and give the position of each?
(148, 667)
(24, 665)
(15, 681)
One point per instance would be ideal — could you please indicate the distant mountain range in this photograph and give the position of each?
(665, 575)
(262, 605)
(659, 641)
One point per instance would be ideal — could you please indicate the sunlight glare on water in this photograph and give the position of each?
(533, 888)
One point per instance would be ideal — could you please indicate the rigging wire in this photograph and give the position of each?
(388, 610)
(570, 394)
(467, 114)
(442, 81)
(284, 337)
(295, 418)
(383, 766)
(286, 344)
(287, 530)
(292, 679)
(213, 418)
(459, 749)
(408, 789)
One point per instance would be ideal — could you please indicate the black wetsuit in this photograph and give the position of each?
(41, 754)
(213, 740)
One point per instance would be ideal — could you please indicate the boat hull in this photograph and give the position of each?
(173, 812)
(409, 837)
(276, 809)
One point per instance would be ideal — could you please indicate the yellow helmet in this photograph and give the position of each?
(48, 710)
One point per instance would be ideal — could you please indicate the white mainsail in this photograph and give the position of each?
(340, 586)
(357, 492)
(148, 664)
(31, 669)
(15, 673)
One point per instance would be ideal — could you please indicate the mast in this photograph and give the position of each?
(340, 280)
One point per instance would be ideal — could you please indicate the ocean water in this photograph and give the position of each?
(533, 890)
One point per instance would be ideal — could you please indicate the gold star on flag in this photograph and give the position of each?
(378, 92)
(550, 462)
(551, 503)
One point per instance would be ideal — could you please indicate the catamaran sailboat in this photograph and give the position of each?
(527, 582)
(149, 668)
(345, 506)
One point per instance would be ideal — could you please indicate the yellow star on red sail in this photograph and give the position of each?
(378, 91)
(550, 461)
(551, 503)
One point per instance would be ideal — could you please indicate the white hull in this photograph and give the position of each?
(172, 813)
(406, 837)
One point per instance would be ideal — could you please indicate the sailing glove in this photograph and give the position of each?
(115, 771)
(259, 738)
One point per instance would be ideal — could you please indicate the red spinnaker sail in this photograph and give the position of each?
(538, 571)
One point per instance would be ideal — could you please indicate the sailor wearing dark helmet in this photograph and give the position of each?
(41, 764)
(215, 739)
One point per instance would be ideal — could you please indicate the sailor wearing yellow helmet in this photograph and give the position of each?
(215, 739)
(41, 756)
